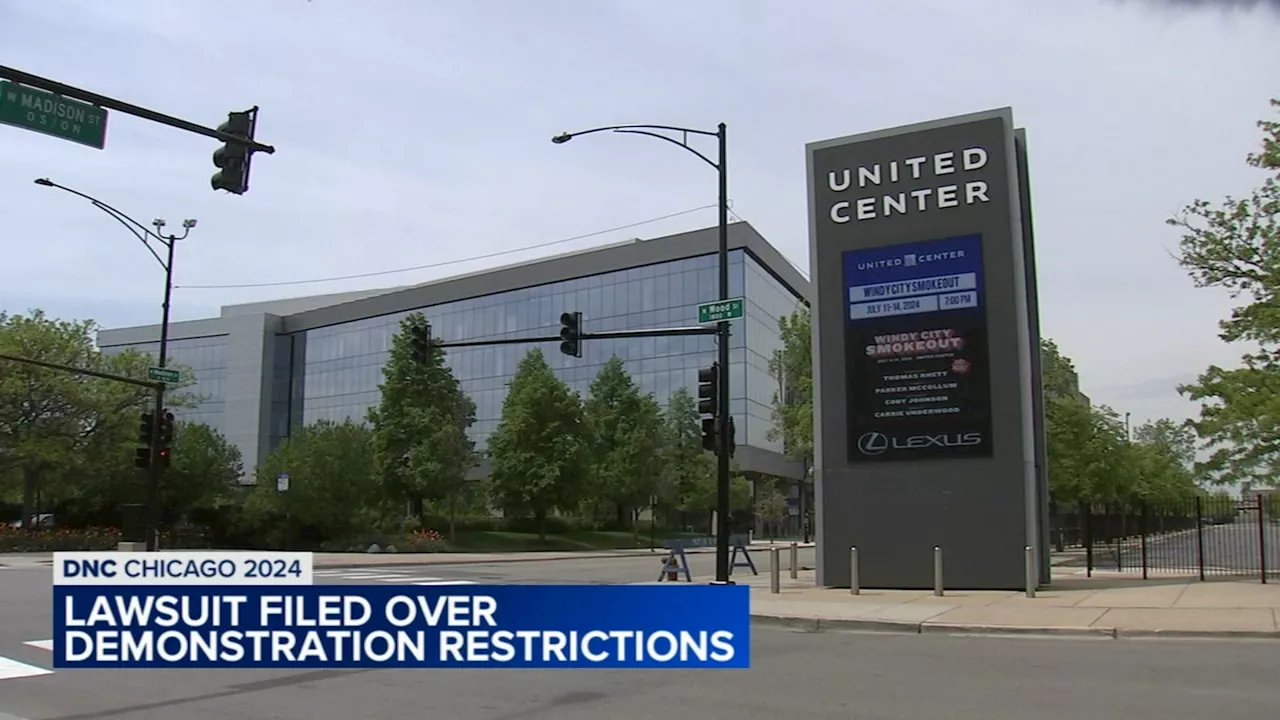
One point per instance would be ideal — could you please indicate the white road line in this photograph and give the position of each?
(41, 644)
(446, 582)
(380, 578)
(326, 573)
(13, 670)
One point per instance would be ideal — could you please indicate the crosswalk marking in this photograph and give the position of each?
(12, 669)
(40, 644)
(400, 578)
(446, 582)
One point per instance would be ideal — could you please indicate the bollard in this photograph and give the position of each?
(795, 561)
(775, 572)
(1030, 563)
(853, 571)
(937, 571)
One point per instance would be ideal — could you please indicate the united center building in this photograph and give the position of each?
(264, 369)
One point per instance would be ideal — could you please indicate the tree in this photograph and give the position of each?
(792, 367)
(332, 481)
(204, 471)
(539, 451)
(686, 465)
(772, 507)
(623, 432)
(1057, 372)
(1235, 245)
(420, 425)
(55, 426)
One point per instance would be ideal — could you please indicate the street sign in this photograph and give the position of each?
(45, 112)
(282, 482)
(720, 310)
(164, 375)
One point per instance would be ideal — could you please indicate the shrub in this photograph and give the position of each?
(58, 539)
(423, 541)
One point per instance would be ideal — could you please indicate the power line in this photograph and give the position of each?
(447, 262)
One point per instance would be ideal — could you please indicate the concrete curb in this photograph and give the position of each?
(932, 628)
(1186, 634)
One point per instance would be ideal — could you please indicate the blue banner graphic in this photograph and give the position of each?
(344, 626)
(915, 278)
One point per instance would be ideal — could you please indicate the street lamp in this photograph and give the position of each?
(722, 449)
(145, 235)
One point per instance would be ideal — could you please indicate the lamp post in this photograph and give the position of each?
(144, 235)
(722, 413)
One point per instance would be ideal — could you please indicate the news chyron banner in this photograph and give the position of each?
(916, 343)
(225, 610)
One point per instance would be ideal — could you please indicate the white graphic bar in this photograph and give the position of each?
(918, 286)
(887, 308)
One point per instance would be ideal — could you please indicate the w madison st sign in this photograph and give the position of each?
(926, 387)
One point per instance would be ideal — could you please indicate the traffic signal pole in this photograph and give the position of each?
(155, 469)
(722, 419)
(723, 444)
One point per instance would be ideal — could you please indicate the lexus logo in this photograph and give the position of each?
(875, 443)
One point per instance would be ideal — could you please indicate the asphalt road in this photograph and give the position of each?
(826, 676)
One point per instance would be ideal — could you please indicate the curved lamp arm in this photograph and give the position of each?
(648, 130)
(140, 231)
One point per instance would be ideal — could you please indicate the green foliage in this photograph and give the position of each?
(1057, 372)
(332, 479)
(420, 427)
(771, 505)
(539, 451)
(203, 474)
(60, 431)
(792, 366)
(1235, 245)
(703, 495)
(624, 441)
(686, 467)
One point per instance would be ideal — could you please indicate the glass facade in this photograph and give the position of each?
(343, 363)
(767, 300)
(207, 359)
(334, 372)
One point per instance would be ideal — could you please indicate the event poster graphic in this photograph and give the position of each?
(916, 343)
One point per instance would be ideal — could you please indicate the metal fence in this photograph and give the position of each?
(1204, 536)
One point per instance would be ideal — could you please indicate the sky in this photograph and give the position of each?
(412, 133)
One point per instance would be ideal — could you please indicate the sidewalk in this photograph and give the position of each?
(1098, 607)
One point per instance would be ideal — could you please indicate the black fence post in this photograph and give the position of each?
(1086, 520)
(1262, 538)
(1142, 530)
(1200, 536)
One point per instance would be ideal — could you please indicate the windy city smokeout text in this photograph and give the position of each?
(939, 165)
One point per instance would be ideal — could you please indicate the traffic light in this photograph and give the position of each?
(146, 436)
(709, 403)
(233, 158)
(709, 389)
(420, 343)
(571, 334)
(164, 457)
(146, 429)
(166, 430)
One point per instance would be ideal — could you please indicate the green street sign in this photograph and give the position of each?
(45, 112)
(720, 310)
(164, 375)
